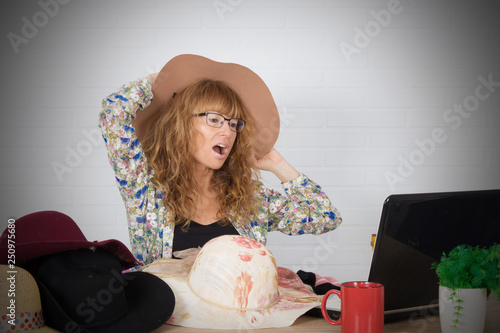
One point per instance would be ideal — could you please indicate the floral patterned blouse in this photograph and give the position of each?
(304, 208)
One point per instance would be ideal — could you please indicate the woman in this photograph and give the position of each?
(194, 174)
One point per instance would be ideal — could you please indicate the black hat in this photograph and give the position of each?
(85, 291)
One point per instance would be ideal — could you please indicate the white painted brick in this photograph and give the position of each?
(422, 179)
(64, 155)
(474, 137)
(452, 77)
(448, 3)
(43, 117)
(411, 17)
(345, 234)
(326, 138)
(322, 98)
(21, 138)
(184, 4)
(326, 17)
(116, 3)
(474, 56)
(13, 100)
(464, 156)
(305, 78)
(16, 157)
(431, 38)
(90, 37)
(460, 96)
(243, 17)
(102, 18)
(493, 156)
(55, 137)
(331, 57)
(85, 117)
(405, 97)
(302, 118)
(493, 117)
(279, 238)
(79, 176)
(285, 3)
(12, 17)
(485, 17)
(21, 176)
(362, 217)
(303, 157)
(161, 18)
(405, 137)
(35, 195)
(361, 118)
(339, 177)
(201, 39)
(361, 157)
(97, 195)
(407, 57)
(387, 37)
(309, 256)
(67, 97)
(359, 197)
(473, 177)
(365, 78)
(282, 38)
(437, 117)
(45, 176)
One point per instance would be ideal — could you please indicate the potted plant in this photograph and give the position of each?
(465, 273)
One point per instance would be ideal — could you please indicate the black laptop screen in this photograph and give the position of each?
(414, 231)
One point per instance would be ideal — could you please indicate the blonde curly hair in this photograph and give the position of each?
(168, 148)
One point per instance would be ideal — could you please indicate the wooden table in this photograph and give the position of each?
(306, 324)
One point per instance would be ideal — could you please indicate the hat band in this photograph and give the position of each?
(21, 321)
(230, 307)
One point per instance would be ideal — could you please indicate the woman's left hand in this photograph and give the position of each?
(275, 163)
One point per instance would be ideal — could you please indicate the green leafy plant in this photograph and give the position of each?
(467, 267)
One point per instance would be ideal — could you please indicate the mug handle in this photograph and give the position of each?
(323, 307)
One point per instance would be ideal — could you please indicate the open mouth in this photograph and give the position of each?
(220, 149)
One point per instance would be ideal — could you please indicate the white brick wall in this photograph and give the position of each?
(347, 120)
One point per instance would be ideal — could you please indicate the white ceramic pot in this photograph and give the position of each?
(472, 315)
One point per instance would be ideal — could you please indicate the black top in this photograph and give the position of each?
(198, 234)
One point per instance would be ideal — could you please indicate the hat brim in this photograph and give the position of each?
(150, 304)
(185, 69)
(192, 311)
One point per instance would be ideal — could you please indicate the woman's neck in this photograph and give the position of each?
(203, 177)
(206, 204)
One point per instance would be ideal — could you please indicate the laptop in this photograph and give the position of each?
(414, 231)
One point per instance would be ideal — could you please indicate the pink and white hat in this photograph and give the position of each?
(233, 283)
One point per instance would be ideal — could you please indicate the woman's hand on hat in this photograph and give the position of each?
(275, 163)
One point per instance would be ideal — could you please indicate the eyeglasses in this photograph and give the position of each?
(217, 120)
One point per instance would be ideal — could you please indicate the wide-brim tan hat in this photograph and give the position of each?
(20, 302)
(233, 283)
(185, 69)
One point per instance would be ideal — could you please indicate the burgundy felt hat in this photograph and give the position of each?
(47, 232)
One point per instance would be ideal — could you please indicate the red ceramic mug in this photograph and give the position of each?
(361, 307)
